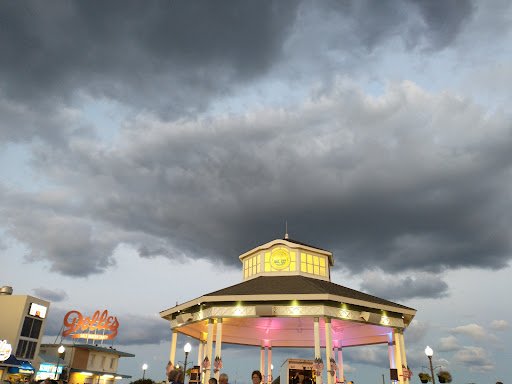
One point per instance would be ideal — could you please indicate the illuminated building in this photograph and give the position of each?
(83, 363)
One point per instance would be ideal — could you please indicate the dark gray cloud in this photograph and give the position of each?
(348, 172)
(52, 295)
(171, 57)
(174, 58)
(429, 25)
(405, 287)
(135, 330)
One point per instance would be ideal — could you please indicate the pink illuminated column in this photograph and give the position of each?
(328, 350)
(316, 330)
(269, 367)
(262, 360)
(341, 376)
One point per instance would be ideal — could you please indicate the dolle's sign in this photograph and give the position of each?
(75, 322)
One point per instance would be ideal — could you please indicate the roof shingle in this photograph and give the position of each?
(298, 285)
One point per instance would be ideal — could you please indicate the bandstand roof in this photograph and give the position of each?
(286, 285)
(301, 285)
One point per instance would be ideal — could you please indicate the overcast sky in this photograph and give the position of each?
(145, 145)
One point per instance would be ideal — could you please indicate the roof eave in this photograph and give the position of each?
(286, 297)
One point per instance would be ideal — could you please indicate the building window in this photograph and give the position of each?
(252, 266)
(111, 363)
(26, 349)
(102, 366)
(270, 268)
(312, 264)
(93, 357)
(31, 328)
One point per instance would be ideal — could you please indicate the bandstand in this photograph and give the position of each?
(287, 299)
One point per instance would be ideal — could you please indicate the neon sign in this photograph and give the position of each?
(5, 350)
(75, 322)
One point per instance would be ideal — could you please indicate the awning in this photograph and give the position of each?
(52, 359)
(25, 368)
(11, 362)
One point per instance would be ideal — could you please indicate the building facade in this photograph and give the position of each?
(21, 330)
(83, 363)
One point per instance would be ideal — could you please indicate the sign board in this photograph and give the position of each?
(5, 350)
(37, 310)
(76, 325)
(52, 368)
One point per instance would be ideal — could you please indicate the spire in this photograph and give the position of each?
(286, 234)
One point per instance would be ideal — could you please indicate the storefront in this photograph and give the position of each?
(49, 367)
(22, 373)
(90, 362)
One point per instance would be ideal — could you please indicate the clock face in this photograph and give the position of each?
(280, 259)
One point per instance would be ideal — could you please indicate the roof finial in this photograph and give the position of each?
(286, 234)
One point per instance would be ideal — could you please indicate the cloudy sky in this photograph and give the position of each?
(145, 145)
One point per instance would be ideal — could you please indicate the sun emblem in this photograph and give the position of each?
(280, 259)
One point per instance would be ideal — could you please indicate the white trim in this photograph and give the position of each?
(286, 297)
(288, 244)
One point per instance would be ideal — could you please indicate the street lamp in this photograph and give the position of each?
(429, 352)
(144, 367)
(61, 351)
(187, 348)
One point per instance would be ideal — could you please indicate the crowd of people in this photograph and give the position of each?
(177, 376)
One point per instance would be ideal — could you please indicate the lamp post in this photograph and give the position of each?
(187, 348)
(429, 352)
(144, 367)
(61, 350)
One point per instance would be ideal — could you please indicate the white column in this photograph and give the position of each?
(173, 347)
(202, 358)
(316, 329)
(398, 356)
(262, 360)
(200, 352)
(218, 344)
(341, 376)
(209, 346)
(269, 368)
(328, 349)
(402, 348)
